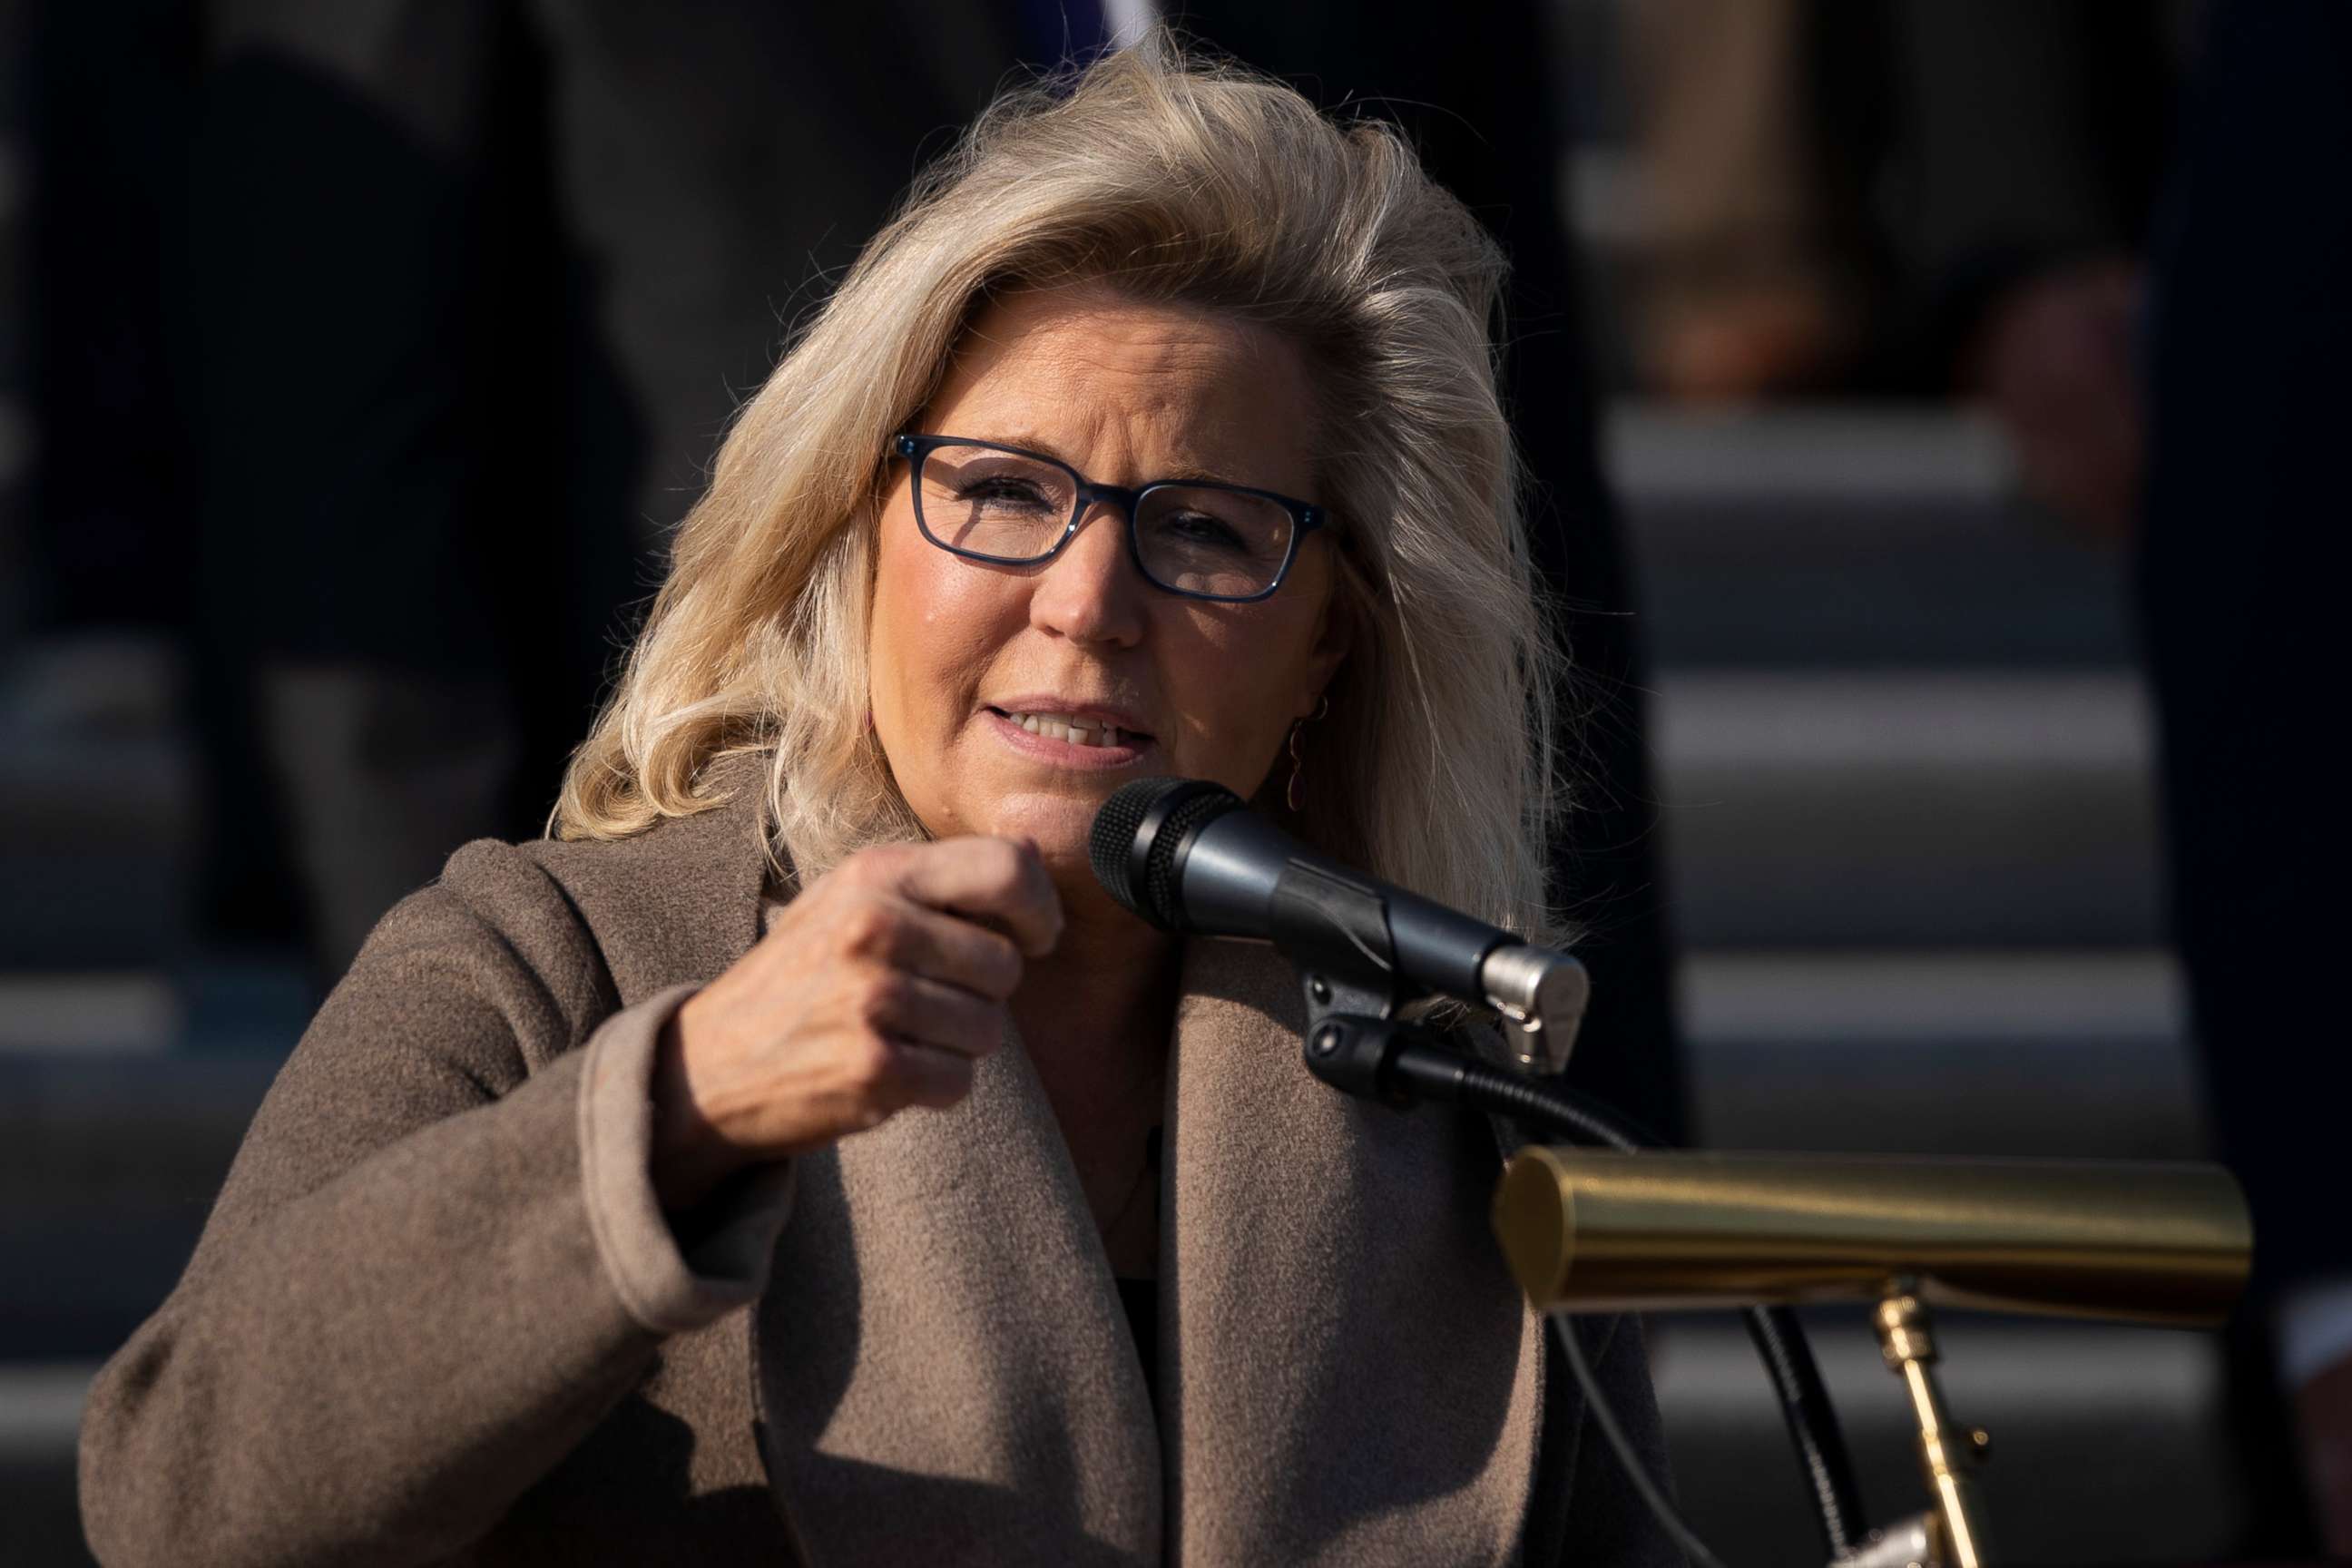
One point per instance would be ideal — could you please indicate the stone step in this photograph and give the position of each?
(2081, 1055)
(97, 806)
(40, 1415)
(1829, 536)
(1906, 809)
(109, 1163)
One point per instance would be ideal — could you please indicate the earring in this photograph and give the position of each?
(1297, 762)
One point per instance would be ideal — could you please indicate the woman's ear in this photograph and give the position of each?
(1335, 637)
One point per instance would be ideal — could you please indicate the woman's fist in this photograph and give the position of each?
(878, 987)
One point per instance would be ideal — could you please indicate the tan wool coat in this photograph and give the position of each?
(437, 1315)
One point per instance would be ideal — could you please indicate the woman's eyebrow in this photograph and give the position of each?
(1031, 441)
(1193, 477)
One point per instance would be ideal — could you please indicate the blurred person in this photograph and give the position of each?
(1744, 290)
(1932, 197)
(609, 191)
(2239, 590)
(110, 96)
(598, 1215)
(481, 283)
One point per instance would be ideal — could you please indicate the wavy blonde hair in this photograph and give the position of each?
(1171, 179)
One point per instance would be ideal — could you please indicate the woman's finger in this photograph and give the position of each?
(979, 877)
(947, 948)
(934, 1079)
(944, 1018)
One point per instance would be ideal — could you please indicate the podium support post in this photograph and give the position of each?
(1947, 1455)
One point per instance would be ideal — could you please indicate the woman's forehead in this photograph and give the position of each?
(1093, 377)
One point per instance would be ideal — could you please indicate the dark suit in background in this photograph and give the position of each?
(2242, 593)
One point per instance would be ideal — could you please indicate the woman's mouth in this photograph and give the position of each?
(1067, 727)
(1070, 738)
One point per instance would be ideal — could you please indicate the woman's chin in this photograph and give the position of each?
(1059, 823)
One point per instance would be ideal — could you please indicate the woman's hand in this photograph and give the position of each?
(877, 988)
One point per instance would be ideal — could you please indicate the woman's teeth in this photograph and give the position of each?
(1077, 732)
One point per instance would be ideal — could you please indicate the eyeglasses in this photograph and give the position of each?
(1008, 507)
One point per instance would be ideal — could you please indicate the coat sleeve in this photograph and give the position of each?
(438, 1261)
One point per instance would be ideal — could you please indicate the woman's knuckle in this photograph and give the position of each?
(866, 861)
(880, 997)
(1000, 964)
(873, 1063)
(871, 867)
(866, 925)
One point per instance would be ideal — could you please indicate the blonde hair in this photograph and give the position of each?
(1169, 179)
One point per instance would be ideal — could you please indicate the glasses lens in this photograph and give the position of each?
(1218, 543)
(997, 504)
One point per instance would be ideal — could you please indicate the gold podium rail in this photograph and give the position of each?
(1600, 1231)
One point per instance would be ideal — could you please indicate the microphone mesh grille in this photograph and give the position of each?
(1161, 896)
(1111, 842)
(1156, 814)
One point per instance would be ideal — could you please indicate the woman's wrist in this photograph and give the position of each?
(689, 1159)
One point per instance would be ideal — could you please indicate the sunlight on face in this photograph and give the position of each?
(978, 670)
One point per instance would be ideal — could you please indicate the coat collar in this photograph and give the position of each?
(943, 1372)
(681, 901)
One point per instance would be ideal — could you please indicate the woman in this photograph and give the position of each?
(662, 1192)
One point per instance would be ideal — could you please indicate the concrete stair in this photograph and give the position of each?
(1904, 768)
(1849, 538)
(1913, 809)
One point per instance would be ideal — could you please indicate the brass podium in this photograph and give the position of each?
(2160, 1244)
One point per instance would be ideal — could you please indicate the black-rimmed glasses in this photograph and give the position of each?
(1009, 507)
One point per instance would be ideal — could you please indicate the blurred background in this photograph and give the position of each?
(1933, 402)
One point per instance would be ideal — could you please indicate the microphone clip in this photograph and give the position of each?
(1397, 1064)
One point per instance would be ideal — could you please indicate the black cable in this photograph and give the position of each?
(1780, 1338)
(1788, 1358)
(1597, 1405)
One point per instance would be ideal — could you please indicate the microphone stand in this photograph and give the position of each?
(1401, 1065)
(1336, 935)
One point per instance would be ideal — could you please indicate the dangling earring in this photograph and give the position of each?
(1297, 762)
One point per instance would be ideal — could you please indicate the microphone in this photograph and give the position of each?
(1188, 856)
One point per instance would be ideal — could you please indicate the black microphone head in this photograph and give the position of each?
(1139, 833)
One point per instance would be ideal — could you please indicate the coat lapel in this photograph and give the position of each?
(943, 1370)
(1348, 1373)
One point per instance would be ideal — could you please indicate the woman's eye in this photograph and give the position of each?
(1009, 494)
(1198, 527)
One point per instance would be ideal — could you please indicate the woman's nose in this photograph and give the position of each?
(1092, 592)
